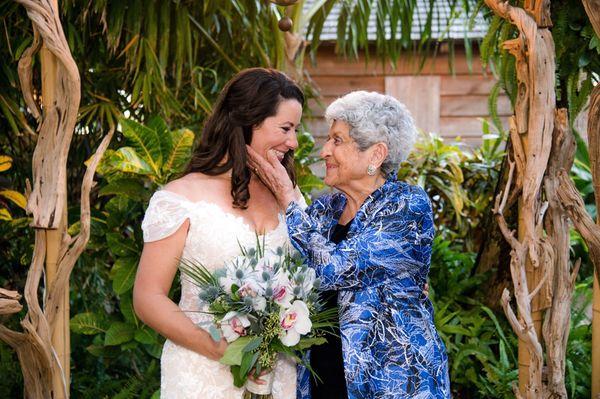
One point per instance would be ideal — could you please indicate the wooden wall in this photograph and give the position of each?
(446, 103)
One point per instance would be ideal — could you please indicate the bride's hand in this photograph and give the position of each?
(273, 175)
(216, 350)
(257, 379)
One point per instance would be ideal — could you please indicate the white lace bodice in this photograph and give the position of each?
(214, 237)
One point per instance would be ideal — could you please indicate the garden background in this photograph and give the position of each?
(151, 70)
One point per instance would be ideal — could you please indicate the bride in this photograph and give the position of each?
(206, 215)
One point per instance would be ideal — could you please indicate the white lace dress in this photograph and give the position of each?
(213, 238)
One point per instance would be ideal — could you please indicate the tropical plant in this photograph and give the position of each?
(13, 196)
(152, 151)
(451, 173)
(577, 56)
(151, 155)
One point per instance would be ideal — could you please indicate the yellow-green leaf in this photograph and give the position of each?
(5, 214)
(5, 162)
(16, 197)
(182, 141)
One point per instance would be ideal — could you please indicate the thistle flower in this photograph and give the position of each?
(237, 272)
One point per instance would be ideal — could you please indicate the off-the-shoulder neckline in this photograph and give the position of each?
(235, 217)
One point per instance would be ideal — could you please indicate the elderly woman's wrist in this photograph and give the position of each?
(286, 200)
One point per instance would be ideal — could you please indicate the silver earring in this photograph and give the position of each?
(371, 169)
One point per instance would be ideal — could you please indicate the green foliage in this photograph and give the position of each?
(577, 55)
(481, 347)
(451, 175)
(15, 197)
(151, 151)
(303, 156)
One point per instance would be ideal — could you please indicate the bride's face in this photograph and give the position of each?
(278, 132)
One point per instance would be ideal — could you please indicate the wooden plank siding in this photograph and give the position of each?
(451, 105)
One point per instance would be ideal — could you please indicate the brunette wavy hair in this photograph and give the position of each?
(246, 101)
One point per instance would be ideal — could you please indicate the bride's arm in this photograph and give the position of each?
(156, 271)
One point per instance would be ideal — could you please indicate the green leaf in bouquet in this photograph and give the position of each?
(252, 345)
(234, 295)
(307, 342)
(239, 379)
(248, 361)
(234, 352)
(198, 273)
(119, 333)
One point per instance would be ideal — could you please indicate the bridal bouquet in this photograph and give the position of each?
(264, 304)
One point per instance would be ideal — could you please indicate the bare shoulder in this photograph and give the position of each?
(197, 186)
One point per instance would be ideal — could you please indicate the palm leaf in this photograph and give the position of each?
(198, 273)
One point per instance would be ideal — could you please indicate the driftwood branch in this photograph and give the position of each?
(48, 197)
(47, 200)
(575, 208)
(72, 252)
(531, 129)
(9, 302)
(557, 319)
(591, 9)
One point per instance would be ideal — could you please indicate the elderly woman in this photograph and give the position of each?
(371, 243)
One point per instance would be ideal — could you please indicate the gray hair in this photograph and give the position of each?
(376, 118)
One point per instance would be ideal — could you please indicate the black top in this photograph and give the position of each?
(326, 360)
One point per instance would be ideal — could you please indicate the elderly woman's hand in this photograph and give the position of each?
(272, 173)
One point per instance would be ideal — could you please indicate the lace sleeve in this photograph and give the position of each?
(164, 215)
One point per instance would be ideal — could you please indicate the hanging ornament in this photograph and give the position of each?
(285, 24)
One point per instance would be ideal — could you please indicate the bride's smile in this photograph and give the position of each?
(278, 132)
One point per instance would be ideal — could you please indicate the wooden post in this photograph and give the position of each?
(43, 347)
(596, 340)
(533, 279)
(531, 134)
(54, 237)
(592, 9)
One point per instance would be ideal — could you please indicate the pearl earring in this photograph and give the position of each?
(371, 170)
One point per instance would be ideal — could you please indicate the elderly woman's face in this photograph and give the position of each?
(343, 161)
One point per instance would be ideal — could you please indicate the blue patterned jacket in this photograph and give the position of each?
(391, 348)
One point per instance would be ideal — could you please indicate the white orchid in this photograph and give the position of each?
(295, 321)
(282, 289)
(234, 325)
